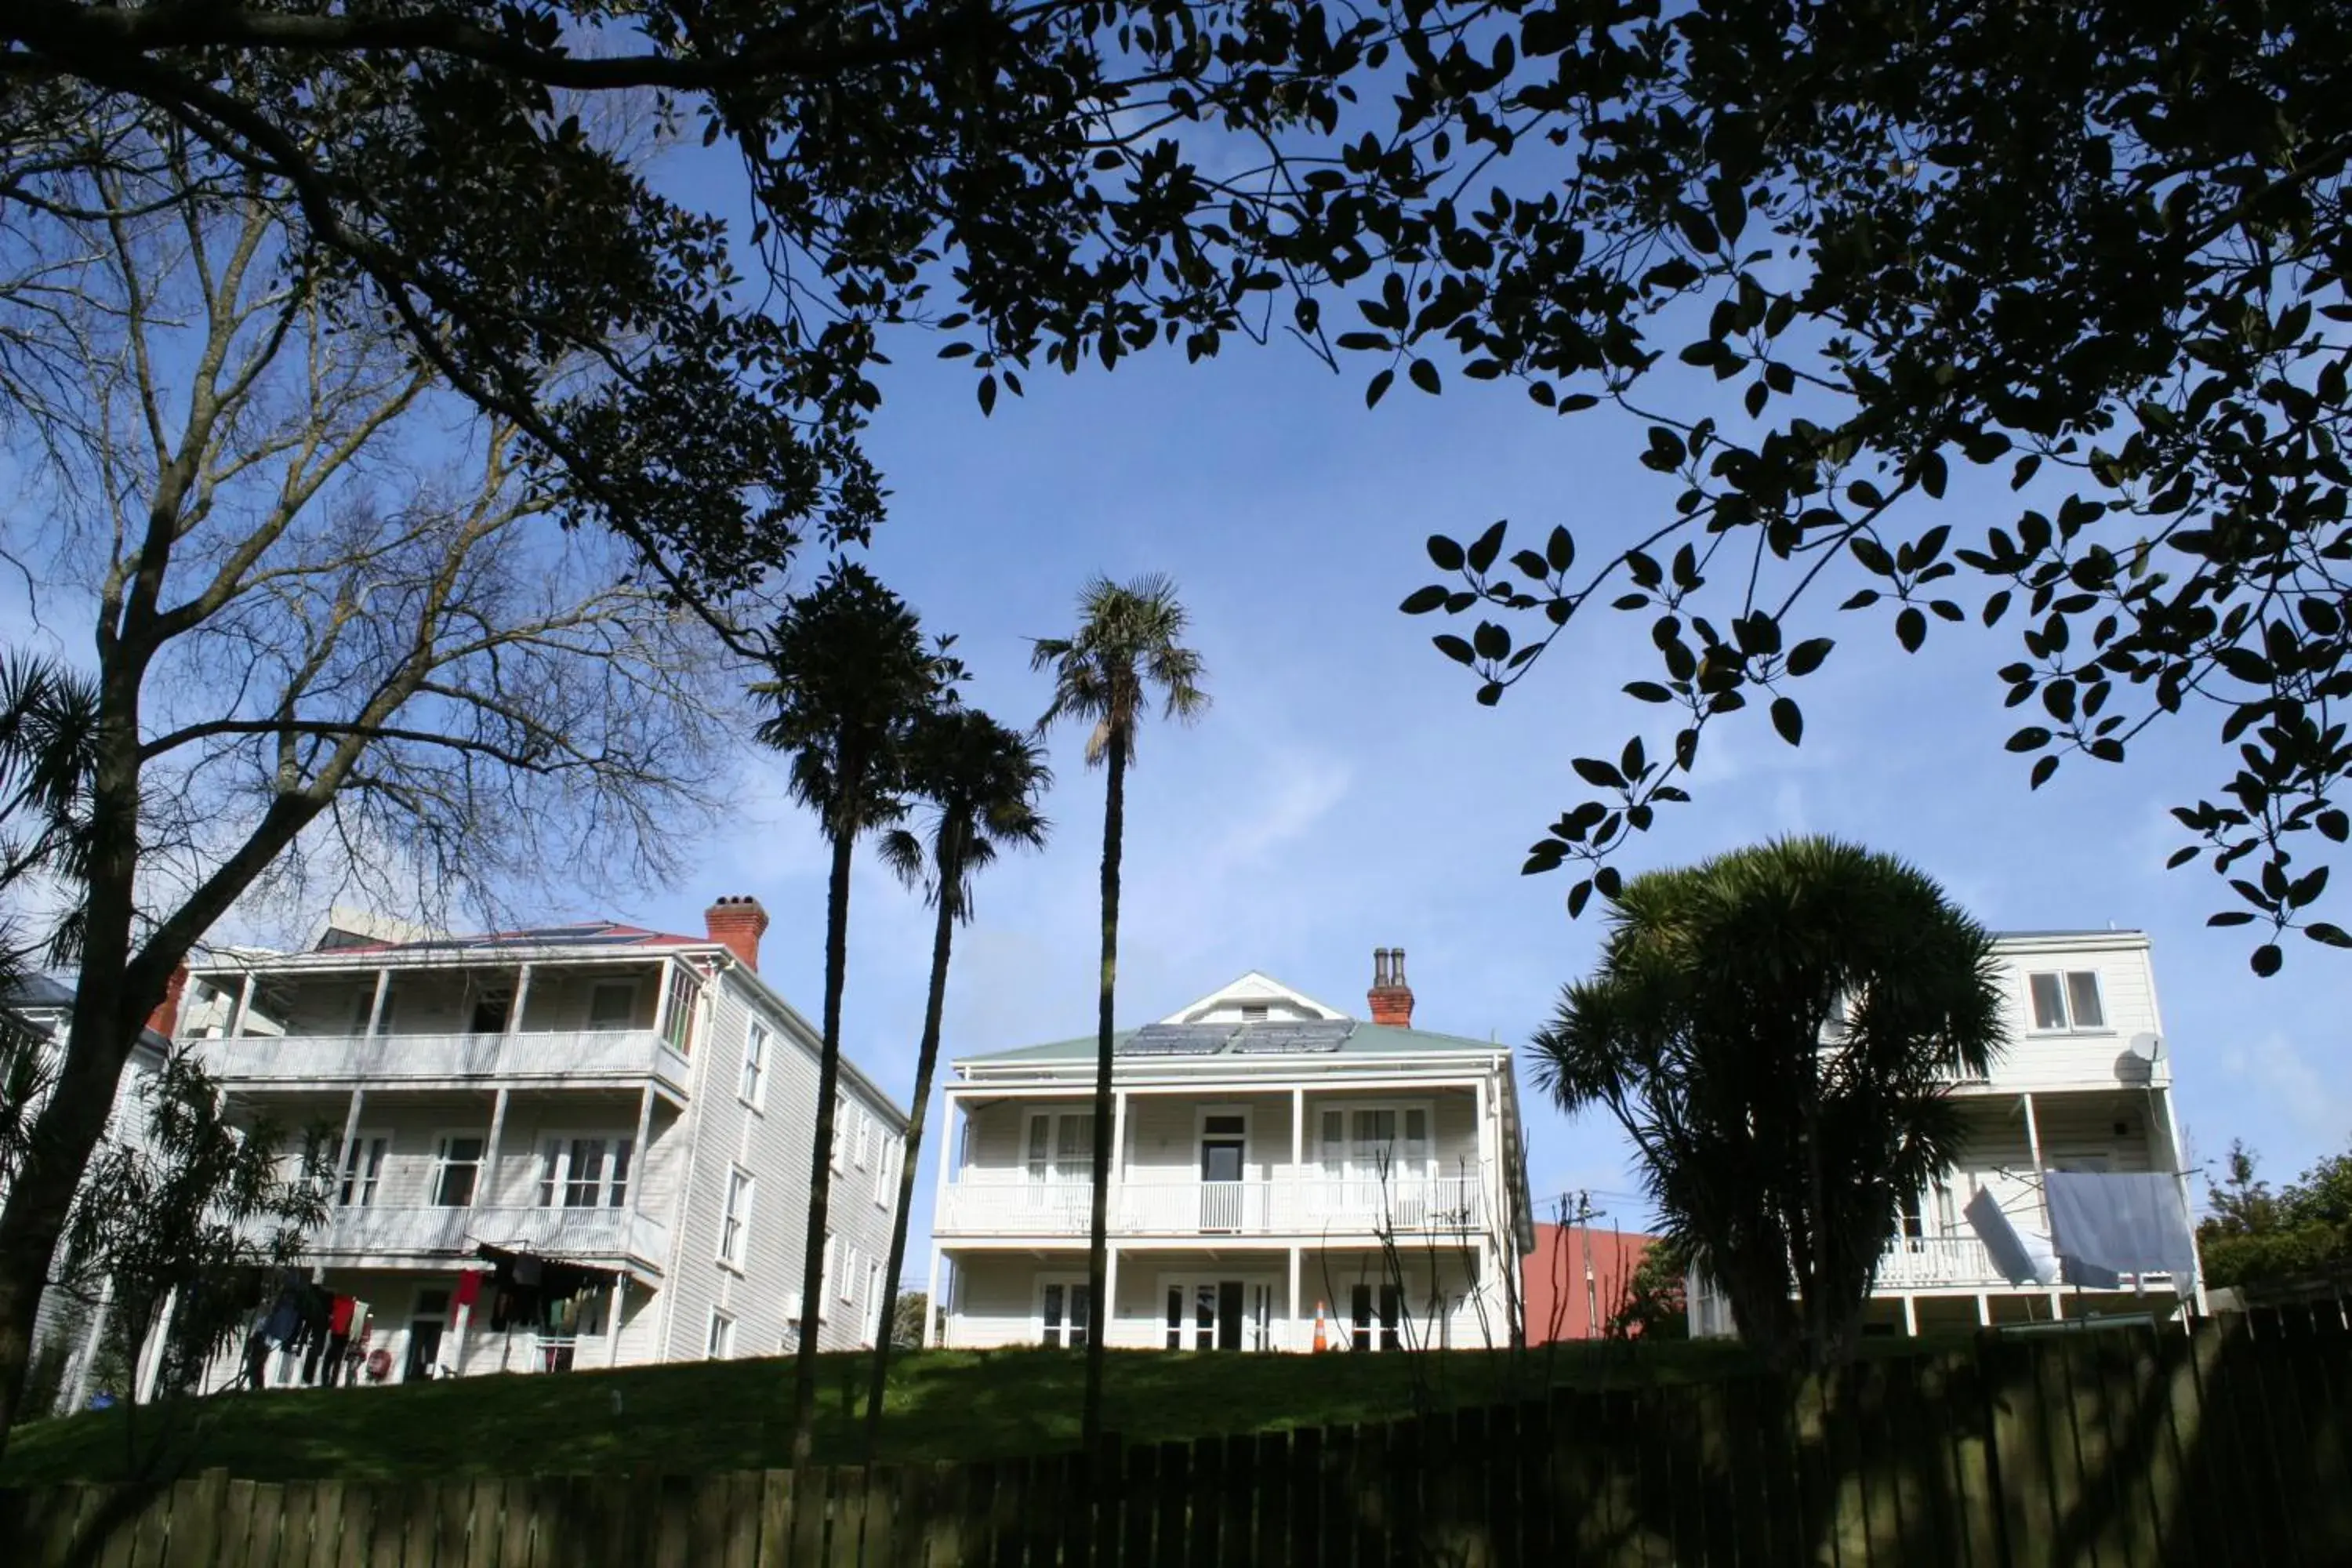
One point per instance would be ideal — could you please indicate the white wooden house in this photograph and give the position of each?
(1272, 1158)
(2084, 1084)
(595, 1095)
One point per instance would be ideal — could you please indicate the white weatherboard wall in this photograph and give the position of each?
(772, 1144)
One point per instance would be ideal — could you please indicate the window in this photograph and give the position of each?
(613, 1005)
(874, 1294)
(865, 1138)
(1062, 1146)
(458, 1168)
(825, 1275)
(848, 1279)
(721, 1343)
(362, 1169)
(1360, 1315)
(735, 1221)
(1370, 1143)
(1063, 1319)
(886, 1181)
(754, 1090)
(678, 1022)
(585, 1173)
(2068, 1001)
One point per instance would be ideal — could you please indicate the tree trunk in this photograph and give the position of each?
(828, 1091)
(927, 1061)
(1098, 1313)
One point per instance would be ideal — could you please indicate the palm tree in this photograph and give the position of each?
(1775, 1030)
(851, 675)
(1126, 645)
(981, 781)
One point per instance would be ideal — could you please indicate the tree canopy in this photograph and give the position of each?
(1052, 181)
(1775, 1031)
(1837, 257)
(2300, 1234)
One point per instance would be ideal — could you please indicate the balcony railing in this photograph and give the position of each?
(1008, 1204)
(1928, 1263)
(583, 1233)
(548, 1055)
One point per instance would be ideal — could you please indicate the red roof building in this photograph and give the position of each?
(1576, 1279)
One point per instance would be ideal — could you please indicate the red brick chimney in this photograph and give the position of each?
(1390, 997)
(737, 921)
(165, 1018)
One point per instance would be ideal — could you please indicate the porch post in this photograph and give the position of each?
(661, 997)
(640, 1161)
(2041, 1176)
(1118, 1157)
(932, 1305)
(347, 1152)
(1984, 1311)
(1296, 1207)
(244, 1006)
(613, 1322)
(1290, 1331)
(79, 1393)
(375, 1005)
(1910, 1316)
(490, 1150)
(523, 994)
(1103, 1314)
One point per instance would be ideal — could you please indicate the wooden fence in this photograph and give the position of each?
(2115, 1448)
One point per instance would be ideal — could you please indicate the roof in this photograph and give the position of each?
(40, 992)
(583, 934)
(1362, 1040)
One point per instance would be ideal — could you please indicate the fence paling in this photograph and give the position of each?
(2115, 1447)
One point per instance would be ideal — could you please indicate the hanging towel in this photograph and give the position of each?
(2113, 1225)
(338, 1321)
(2022, 1258)
(470, 1289)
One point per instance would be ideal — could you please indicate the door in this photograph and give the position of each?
(425, 1329)
(1218, 1314)
(1225, 1143)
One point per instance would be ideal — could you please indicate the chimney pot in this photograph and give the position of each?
(1390, 997)
(737, 920)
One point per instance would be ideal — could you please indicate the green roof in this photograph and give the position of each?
(1364, 1040)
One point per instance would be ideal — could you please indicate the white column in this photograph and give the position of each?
(1103, 1314)
(2034, 1148)
(244, 1006)
(640, 1157)
(1910, 1316)
(1118, 1155)
(491, 1152)
(1290, 1332)
(661, 997)
(1984, 1311)
(375, 1006)
(78, 1395)
(151, 1355)
(351, 1133)
(521, 995)
(932, 1305)
(613, 1322)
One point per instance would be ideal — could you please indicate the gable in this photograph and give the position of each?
(1254, 997)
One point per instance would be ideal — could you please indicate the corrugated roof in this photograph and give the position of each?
(584, 933)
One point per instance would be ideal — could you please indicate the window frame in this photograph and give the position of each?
(632, 987)
(1073, 1287)
(751, 1086)
(443, 1164)
(381, 1139)
(734, 1223)
(1053, 1115)
(556, 1179)
(2068, 999)
(719, 1338)
(1347, 1110)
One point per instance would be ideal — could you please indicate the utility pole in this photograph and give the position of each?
(1585, 1215)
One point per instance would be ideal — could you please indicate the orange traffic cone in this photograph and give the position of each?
(1322, 1328)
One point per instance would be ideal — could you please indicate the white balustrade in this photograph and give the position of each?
(1009, 1203)
(1937, 1262)
(553, 1232)
(554, 1055)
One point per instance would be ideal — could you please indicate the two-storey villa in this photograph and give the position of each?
(1274, 1159)
(610, 1124)
(2085, 1084)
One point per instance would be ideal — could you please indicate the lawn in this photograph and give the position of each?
(717, 1415)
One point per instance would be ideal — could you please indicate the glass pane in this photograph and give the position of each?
(2083, 997)
(1040, 1132)
(1080, 1318)
(1225, 1126)
(1074, 1150)
(551, 1171)
(457, 1189)
(618, 1191)
(1052, 1309)
(2049, 1003)
(1416, 1126)
(1359, 1317)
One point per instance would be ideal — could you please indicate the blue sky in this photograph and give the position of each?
(1345, 791)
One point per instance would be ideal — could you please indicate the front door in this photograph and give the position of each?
(1225, 1136)
(425, 1326)
(1219, 1314)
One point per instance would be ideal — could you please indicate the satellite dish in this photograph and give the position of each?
(2147, 1047)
